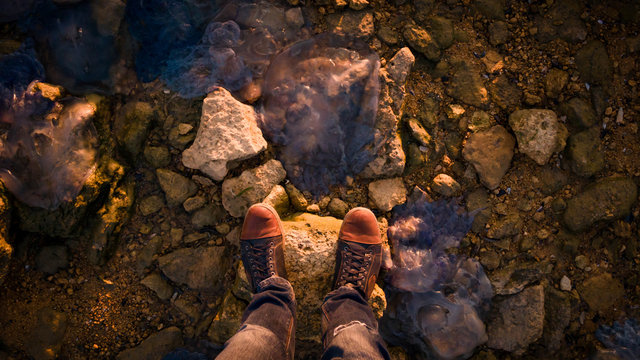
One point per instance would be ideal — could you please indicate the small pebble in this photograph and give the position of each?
(565, 283)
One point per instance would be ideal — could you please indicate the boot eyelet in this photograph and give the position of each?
(272, 273)
(271, 243)
(270, 251)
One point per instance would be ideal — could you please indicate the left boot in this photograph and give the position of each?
(262, 244)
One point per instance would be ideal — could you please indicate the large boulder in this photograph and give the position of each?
(251, 187)
(490, 152)
(45, 340)
(539, 133)
(228, 132)
(605, 200)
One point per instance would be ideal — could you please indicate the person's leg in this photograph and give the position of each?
(268, 323)
(350, 330)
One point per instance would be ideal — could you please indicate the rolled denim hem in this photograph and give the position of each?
(274, 280)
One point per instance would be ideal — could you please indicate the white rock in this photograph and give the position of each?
(539, 133)
(565, 283)
(387, 193)
(253, 185)
(228, 131)
(445, 185)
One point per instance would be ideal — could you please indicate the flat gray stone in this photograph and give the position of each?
(176, 187)
(251, 187)
(198, 268)
(517, 321)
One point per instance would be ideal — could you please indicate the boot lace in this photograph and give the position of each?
(354, 269)
(261, 260)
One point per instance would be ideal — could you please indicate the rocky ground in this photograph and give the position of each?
(527, 112)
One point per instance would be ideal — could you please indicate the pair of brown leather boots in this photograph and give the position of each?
(358, 256)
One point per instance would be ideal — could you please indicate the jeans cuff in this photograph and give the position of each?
(274, 280)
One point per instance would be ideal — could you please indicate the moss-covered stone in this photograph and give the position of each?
(132, 126)
(585, 152)
(67, 219)
(110, 219)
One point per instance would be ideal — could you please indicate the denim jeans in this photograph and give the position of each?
(350, 330)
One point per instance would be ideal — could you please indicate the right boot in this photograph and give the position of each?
(262, 245)
(359, 253)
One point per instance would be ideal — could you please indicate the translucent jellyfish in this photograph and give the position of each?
(622, 337)
(17, 71)
(319, 106)
(234, 50)
(47, 149)
(213, 62)
(163, 27)
(436, 300)
(73, 51)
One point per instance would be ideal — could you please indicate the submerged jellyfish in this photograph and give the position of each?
(47, 148)
(435, 300)
(162, 27)
(75, 54)
(622, 337)
(319, 105)
(194, 48)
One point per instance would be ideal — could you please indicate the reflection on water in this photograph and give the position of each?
(435, 300)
